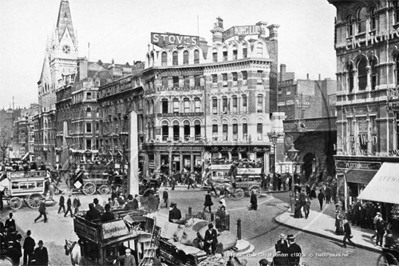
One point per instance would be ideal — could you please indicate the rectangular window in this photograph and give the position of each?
(197, 106)
(224, 76)
(244, 78)
(224, 55)
(244, 103)
(197, 81)
(234, 54)
(214, 106)
(235, 78)
(288, 91)
(88, 145)
(259, 130)
(186, 82)
(88, 96)
(88, 127)
(165, 82)
(176, 82)
(244, 52)
(214, 80)
(225, 132)
(214, 57)
(259, 77)
(176, 107)
(259, 104)
(235, 104)
(186, 106)
(224, 104)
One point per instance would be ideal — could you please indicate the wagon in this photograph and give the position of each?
(91, 179)
(22, 187)
(388, 257)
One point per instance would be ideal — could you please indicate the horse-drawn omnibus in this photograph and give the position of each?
(101, 243)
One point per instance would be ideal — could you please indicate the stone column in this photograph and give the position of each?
(170, 134)
(181, 132)
(368, 87)
(133, 178)
(266, 163)
(191, 162)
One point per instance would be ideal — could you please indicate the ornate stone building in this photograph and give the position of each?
(366, 44)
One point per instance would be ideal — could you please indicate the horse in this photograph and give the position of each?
(72, 248)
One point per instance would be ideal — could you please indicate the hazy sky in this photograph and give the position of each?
(120, 30)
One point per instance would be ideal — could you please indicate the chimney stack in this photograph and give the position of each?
(282, 71)
(307, 76)
(319, 76)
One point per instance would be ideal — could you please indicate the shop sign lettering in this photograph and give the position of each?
(165, 39)
(241, 31)
(249, 171)
(358, 165)
(372, 39)
(114, 229)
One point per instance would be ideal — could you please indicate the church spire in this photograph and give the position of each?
(64, 21)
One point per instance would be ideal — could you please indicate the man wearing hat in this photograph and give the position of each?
(375, 220)
(41, 255)
(174, 213)
(294, 251)
(264, 262)
(282, 244)
(29, 247)
(128, 258)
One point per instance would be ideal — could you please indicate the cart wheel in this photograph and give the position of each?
(7, 192)
(33, 200)
(239, 193)
(15, 203)
(104, 189)
(257, 190)
(386, 259)
(89, 188)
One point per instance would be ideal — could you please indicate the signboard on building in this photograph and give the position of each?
(164, 39)
(249, 171)
(114, 229)
(358, 165)
(241, 31)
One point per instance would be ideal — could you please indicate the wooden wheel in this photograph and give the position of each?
(89, 188)
(257, 190)
(104, 189)
(238, 193)
(386, 259)
(15, 203)
(33, 200)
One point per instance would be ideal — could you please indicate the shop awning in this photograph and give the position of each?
(384, 187)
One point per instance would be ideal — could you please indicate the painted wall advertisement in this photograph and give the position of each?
(166, 39)
(114, 229)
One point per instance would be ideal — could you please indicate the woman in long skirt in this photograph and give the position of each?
(208, 201)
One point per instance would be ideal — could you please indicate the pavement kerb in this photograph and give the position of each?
(277, 220)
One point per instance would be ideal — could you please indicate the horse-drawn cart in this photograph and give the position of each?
(21, 186)
(91, 179)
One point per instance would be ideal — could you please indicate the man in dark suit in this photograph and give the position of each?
(321, 199)
(18, 249)
(69, 206)
(210, 239)
(108, 215)
(10, 224)
(62, 204)
(41, 255)
(282, 244)
(174, 213)
(42, 211)
(294, 251)
(347, 233)
(93, 214)
(253, 201)
(29, 247)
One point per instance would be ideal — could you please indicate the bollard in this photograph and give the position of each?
(189, 211)
(239, 229)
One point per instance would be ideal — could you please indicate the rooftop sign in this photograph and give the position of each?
(165, 39)
(240, 31)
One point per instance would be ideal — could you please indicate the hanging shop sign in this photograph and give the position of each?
(164, 39)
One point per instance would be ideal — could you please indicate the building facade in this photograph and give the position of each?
(59, 67)
(366, 41)
(310, 109)
(213, 101)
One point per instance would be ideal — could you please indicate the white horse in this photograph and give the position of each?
(73, 248)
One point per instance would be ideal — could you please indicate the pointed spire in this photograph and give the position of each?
(64, 21)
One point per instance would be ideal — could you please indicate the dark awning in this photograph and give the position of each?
(360, 176)
(384, 187)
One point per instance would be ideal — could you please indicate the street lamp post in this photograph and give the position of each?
(292, 154)
(274, 137)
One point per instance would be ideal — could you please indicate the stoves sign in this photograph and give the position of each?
(167, 39)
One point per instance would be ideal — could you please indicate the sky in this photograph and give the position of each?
(120, 30)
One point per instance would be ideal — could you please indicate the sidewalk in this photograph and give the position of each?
(322, 224)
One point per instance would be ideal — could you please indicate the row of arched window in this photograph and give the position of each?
(362, 74)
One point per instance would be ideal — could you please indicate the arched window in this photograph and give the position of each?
(165, 108)
(349, 26)
(373, 19)
(214, 105)
(174, 59)
(259, 50)
(244, 103)
(235, 103)
(215, 131)
(88, 112)
(164, 59)
(196, 57)
(176, 131)
(225, 57)
(197, 129)
(361, 20)
(362, 73)
(185, 58)
(165, 130)
(214, 55)
(259, 103)
(374, 77)
(187, 130)
(349, 68)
